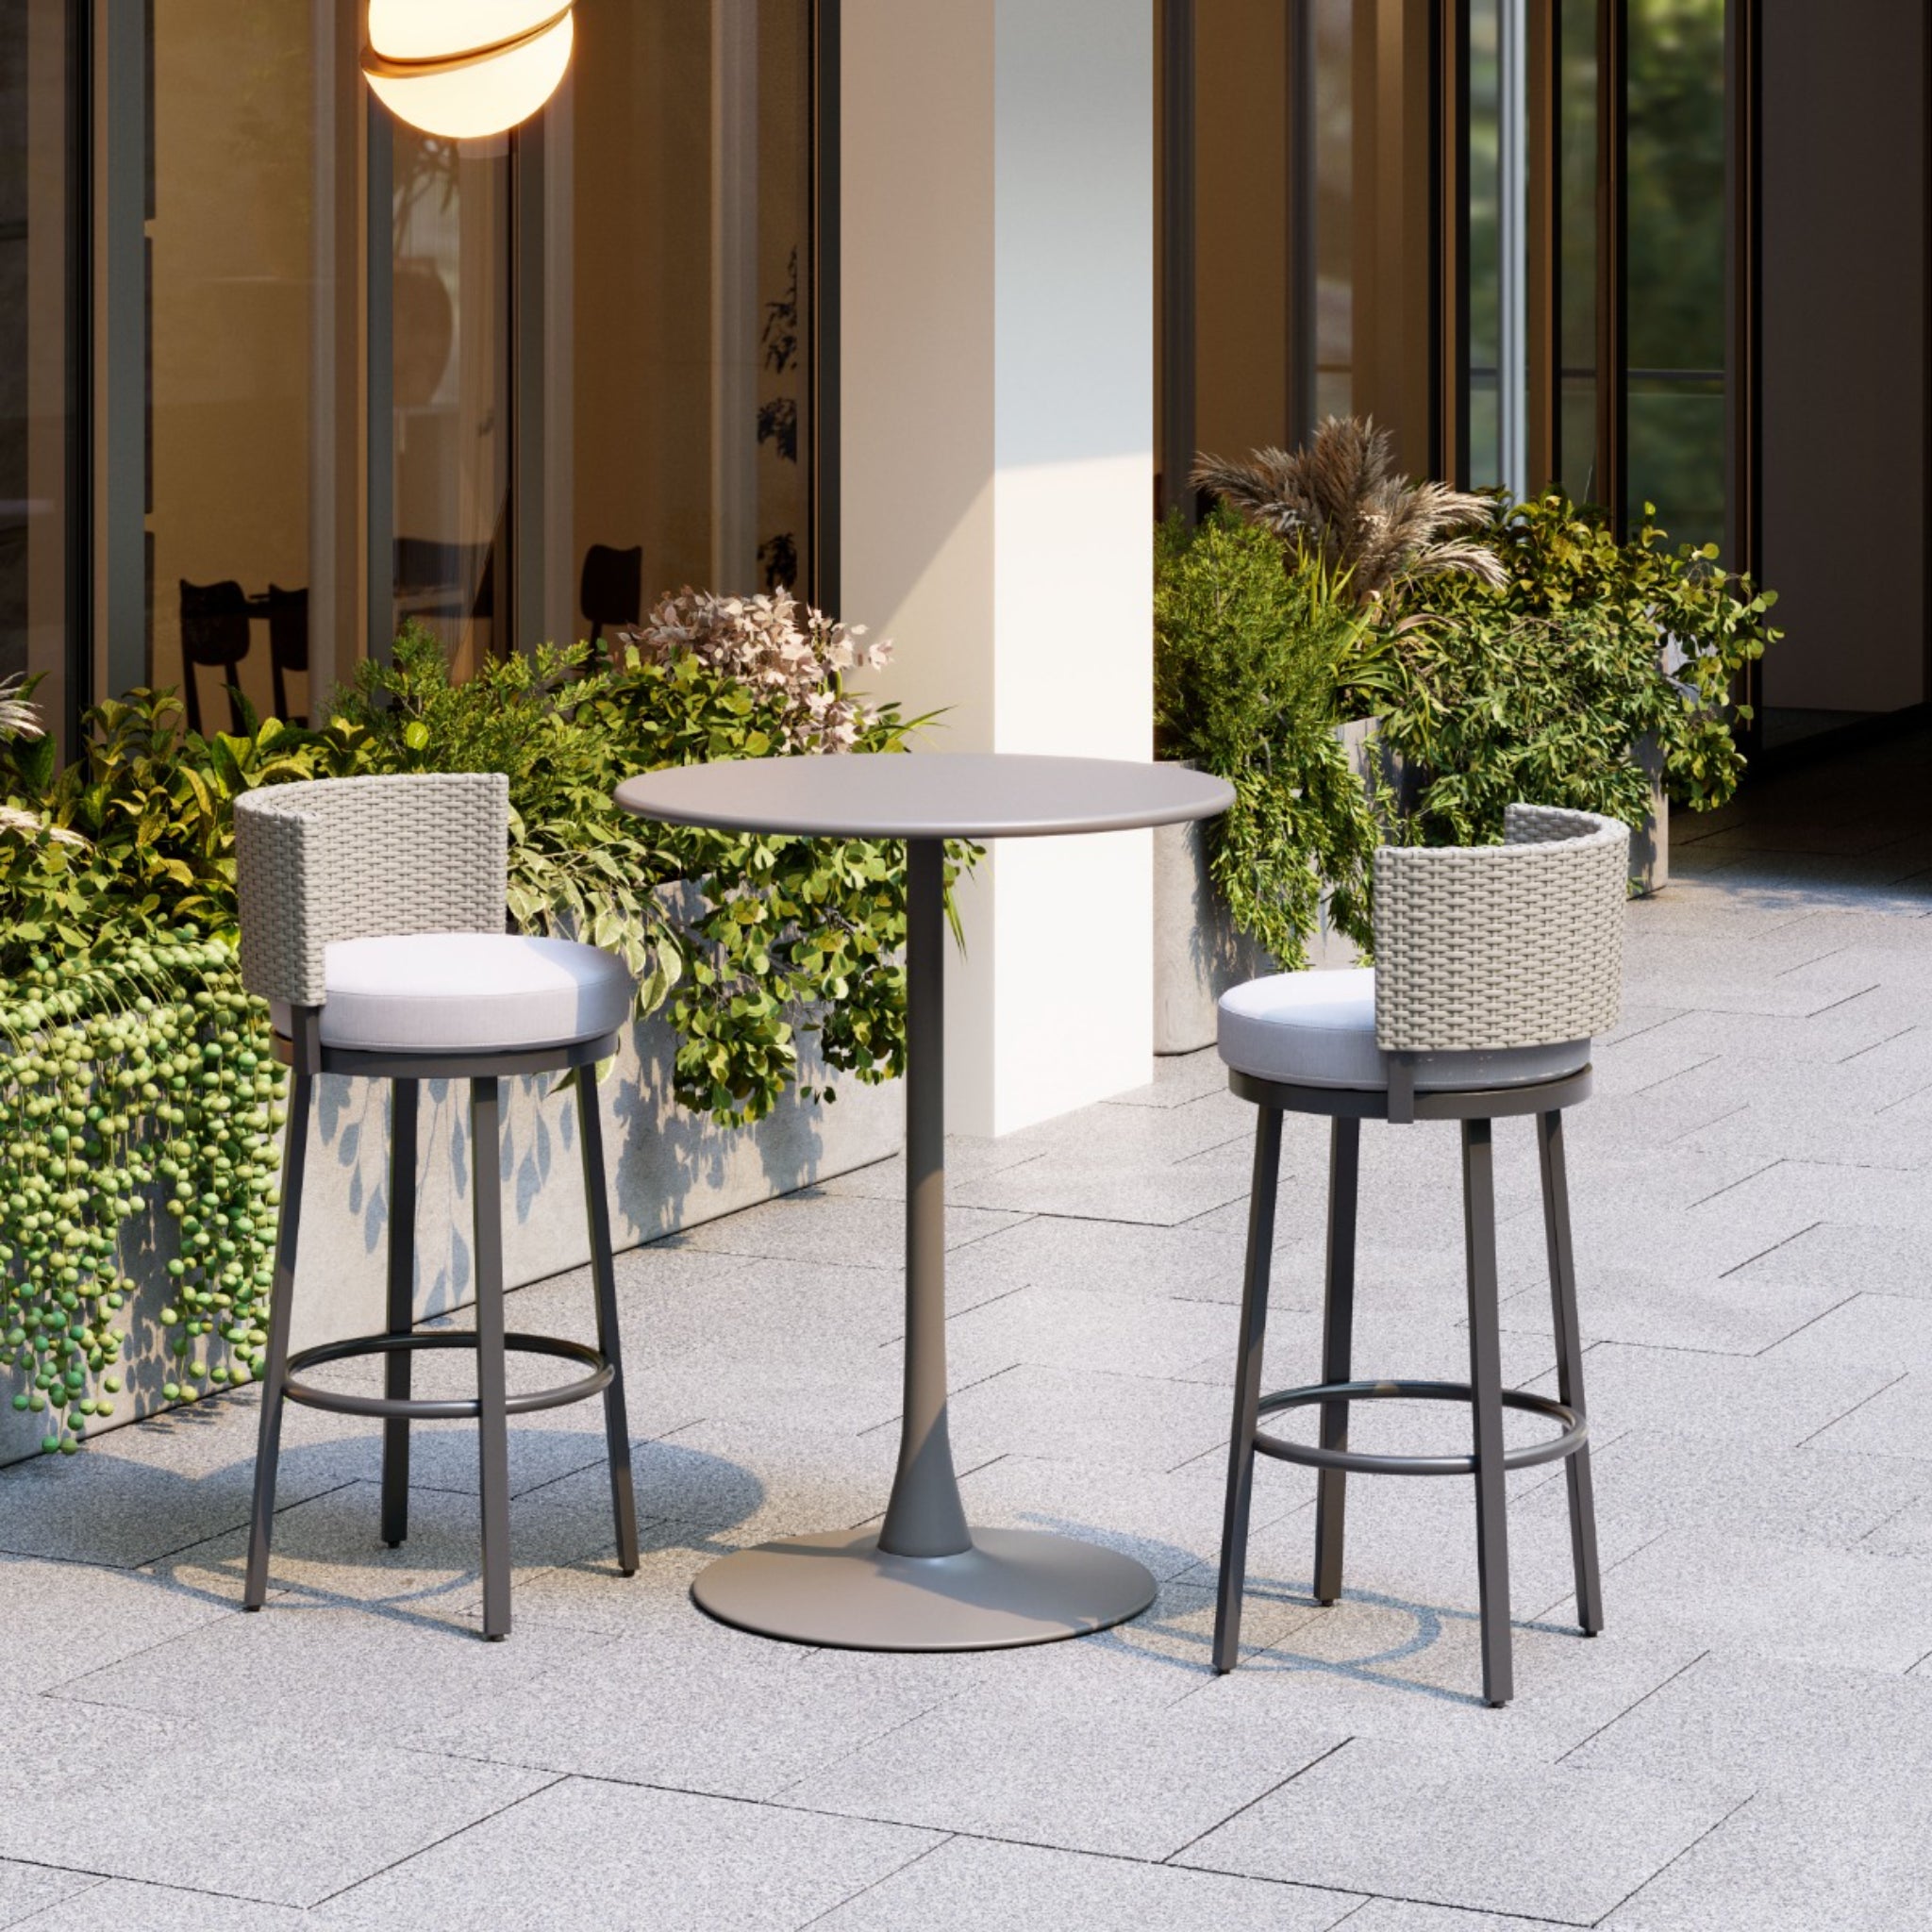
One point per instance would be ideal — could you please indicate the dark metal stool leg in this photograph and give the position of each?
(276, 1370)
(492, 1427)
(603, 1272)
(402, 1304)
(1247, 1389)
(1338, 1324)
(1485, 1385)
(1589, 1595)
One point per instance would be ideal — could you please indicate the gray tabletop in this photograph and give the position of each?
(925, 795)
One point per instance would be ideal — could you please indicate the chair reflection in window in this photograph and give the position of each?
(446, 586)
(214, 635)
(612, 590)
(288, 646)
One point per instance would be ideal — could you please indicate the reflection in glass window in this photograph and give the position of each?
(451, 301)
(1674, 265)
(1485, 265)
(39, 352)
(692, 301)
(229, 242)
(1576, 245)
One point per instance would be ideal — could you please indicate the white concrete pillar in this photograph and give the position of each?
(996, 392)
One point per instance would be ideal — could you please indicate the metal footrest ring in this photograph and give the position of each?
(1575, 1429)
(428, 1409)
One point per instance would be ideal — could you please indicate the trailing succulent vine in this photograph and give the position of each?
(129, 1084)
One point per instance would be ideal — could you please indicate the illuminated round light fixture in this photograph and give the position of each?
(464, 69)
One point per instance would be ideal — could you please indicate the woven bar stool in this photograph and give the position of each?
(1494, 966)
(373, 915)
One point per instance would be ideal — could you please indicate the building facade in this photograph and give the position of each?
(923, 309)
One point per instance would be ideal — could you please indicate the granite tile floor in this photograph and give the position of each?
(1745, 1746)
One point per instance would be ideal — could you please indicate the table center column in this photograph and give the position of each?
(926, 1517)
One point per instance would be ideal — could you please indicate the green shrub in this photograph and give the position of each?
(136, 1073)
(1249, 656)
(1545, 688)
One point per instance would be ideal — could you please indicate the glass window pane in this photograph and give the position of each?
(38, 353)
(1576, 244)
(1336, 60)
(451, 297)
(229, 236)
(1675, 265)
(690, 289)
(1485, 243)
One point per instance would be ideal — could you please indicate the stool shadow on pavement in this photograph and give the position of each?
(328, 1548)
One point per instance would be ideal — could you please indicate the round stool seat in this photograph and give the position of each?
(467, 991)
(1318, 1029)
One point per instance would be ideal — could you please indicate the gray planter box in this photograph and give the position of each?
(670, 1170)
(1650, 849)
(1198, 954)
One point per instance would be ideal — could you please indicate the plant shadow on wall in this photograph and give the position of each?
(137, 1079)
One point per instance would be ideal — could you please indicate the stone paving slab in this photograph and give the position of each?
(586, 1854)
(1547, 1842)
(26, 1889)
(1852, 1861)
(1745, 1746)
(226, 1803)
(125, 1906)
(1024, 1889)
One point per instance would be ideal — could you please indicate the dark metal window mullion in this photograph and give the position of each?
(1743, 310)
(1612, 286)
(1451, 453)
(79, 455)
(821, 499)
(378, 378)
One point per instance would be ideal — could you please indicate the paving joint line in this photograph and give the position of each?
(1770, 1347)
(884, 1878)
(1653, 1690)
(1669, 1862)
(1243, 1809)
(550, 1784)
(1853, 1410)
(1786, 1242)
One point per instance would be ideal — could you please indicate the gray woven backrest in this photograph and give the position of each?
(1517, 944)
(349, 859)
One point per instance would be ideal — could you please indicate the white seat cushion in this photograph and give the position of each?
(1318, 1029)
(464, 992)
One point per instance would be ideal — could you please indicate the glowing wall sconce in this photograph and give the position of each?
(465, 68)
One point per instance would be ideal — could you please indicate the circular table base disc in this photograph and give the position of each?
(1012, 1586)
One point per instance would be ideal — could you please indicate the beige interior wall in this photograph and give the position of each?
(1843, 379)
(232, 317)
(1393, 196)
(642, 376)
(1240, 225)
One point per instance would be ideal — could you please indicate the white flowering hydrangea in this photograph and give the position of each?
(777, 645)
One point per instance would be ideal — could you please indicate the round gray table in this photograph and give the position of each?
(924, 1580)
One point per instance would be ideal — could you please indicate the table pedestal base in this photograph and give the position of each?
(1012, 1586)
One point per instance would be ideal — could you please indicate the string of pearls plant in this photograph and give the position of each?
(134, 1093)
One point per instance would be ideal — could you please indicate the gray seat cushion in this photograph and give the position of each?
(1318, 1029)
(466, 992)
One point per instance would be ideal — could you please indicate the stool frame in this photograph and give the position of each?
(1475, 1110)
(308, 1058)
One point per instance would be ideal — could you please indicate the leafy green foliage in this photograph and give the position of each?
(781, 933)
(1546, 688)
(138, 1076)
(1249, 656)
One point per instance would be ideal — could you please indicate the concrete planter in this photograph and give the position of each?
(1650, 849)
(1198, 953)
(670, 1170)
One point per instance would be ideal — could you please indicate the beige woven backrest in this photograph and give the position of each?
(1517, 944)
(348, 859)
